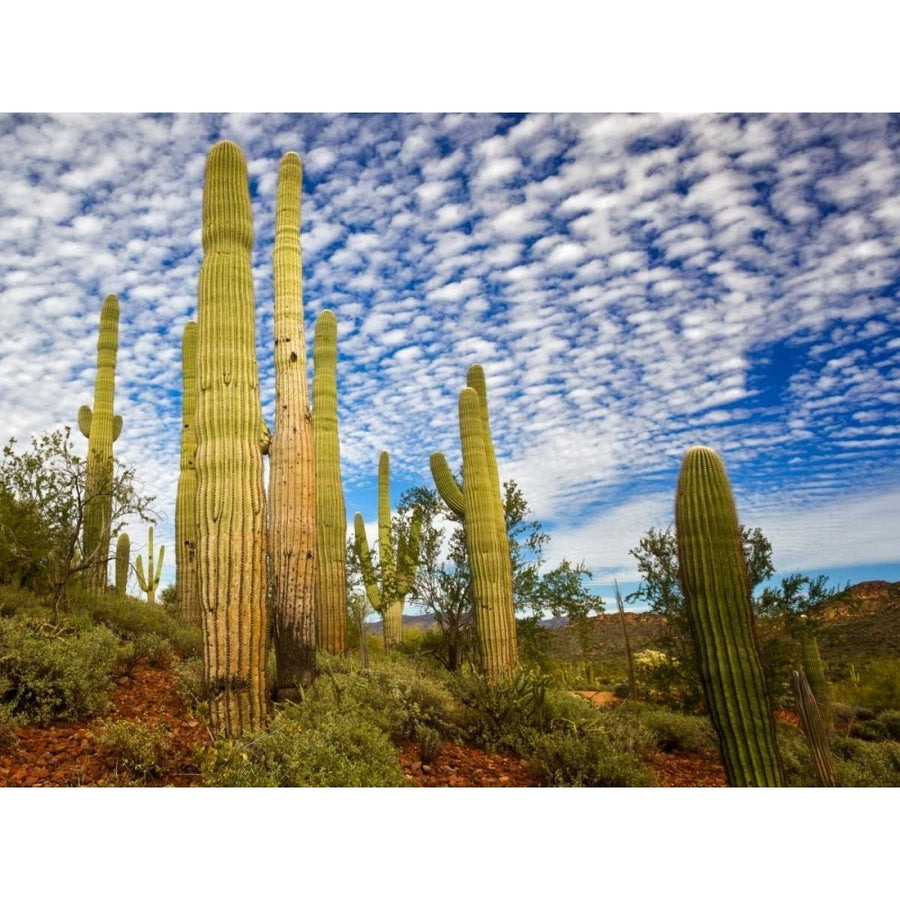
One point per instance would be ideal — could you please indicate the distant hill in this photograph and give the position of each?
(863, 620)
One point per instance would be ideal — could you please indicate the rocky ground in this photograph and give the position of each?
(70, 754)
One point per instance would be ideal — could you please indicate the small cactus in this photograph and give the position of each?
(123, 563)
(150, 583)
(397, 567)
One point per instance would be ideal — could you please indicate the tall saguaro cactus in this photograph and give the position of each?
(331, 517)
(397, 570)
(713, 574)
(186, 495)
(150, 583)
(101, 428)
(231, 440)
(479, 503)
(292, 494)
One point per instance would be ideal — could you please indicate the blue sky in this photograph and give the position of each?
(632, 285)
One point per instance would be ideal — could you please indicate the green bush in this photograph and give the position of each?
(9, 722)
(50, 671)
(140, 749)
(860, 763)
(130, 619)
(796, 762)
(676, 731)
(336, 749)
(890, 719)
(565, 759)
(876, 685)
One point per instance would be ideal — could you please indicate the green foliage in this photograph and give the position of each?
(674, 731)
(141, 749)
(9, 720)
(876, 685)
(565, 759)
(131, 620)
(51, 671)
(43, 504)
(859, 763)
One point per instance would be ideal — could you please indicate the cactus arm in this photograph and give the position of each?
(446, 484)
(123, 560)
(116, 427)
(475, 379)
(716, 589)
(365, 561)
(84, 420)
(139, 568)
(408, 555)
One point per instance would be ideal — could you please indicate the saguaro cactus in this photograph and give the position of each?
(123, 562)
(186, 495)
(479, 503)
(231, 440)
(331, 517)
(292, 493)
(150, 583)
(716, 589)
(397, 570)
(815, 674)
(101, 428)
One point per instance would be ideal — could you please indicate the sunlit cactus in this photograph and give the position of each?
(123, 563)
(478, 502)
(716, 588)
(150, 582)
(387, 588)
(186, 496)
(292, 491)
(231, 440)
(101, 427)
(331, 517)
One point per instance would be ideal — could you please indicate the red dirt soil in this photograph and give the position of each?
(67, 754)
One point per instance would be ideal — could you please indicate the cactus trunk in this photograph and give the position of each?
(292, 493)
(231, 441)
(331, 516)
(101, 428)
(186, 497)
(815, 673)
(716, 589)
(123, 561)
(813, 729)
(479, 504)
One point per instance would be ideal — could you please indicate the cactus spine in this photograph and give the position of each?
(479, 503)
(186, 497)
(149, 584)
(101, 428)
(123, 561)
(716, 589)
(398, 571)
(231, 440)
(292, 494)
(331, 517)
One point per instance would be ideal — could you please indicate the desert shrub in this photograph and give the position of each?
(306, 747)
(566, 759)
(190, 684)
(796, 762)
(131, 619)
(876, 685)
(140, 749)
(672, 730)
(502, 715)
(49, 670)
(860, 763)
(890, 719)
(9, 722)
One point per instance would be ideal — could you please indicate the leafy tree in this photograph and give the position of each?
(43, 496)
(443, 582)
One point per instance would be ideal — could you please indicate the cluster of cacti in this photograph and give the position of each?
(716, 590)
(331, 518)
(186, 592)
(101, 427)
(292, 494)
(123, 563)
(150, 582)
(232, 437)
(396, 567)
(480, 505)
